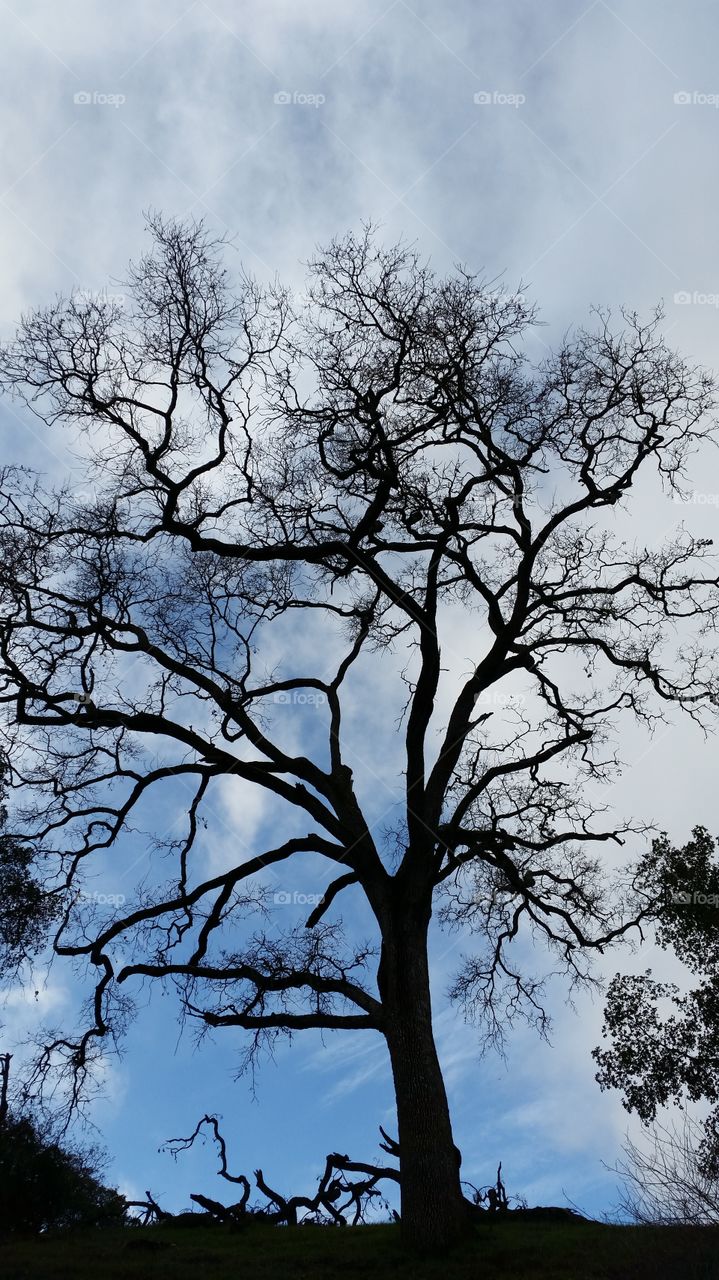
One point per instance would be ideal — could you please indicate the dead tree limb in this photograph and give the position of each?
(161, 1214)
(225, 1213)
(389, 1145)
(337, 1194)
(150, 1211)
(175, 1145)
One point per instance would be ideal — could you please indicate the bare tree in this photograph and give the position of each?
(386, 461)
(667, 1180)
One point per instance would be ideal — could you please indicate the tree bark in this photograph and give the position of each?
(434, 1211)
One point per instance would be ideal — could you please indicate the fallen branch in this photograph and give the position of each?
(225, 1213)
(337, 1194)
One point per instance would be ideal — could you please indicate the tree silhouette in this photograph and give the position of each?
(388, 461)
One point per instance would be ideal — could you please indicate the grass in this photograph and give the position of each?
(547, 1251)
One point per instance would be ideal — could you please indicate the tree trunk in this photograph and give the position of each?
(5, 1060)
(434, 1212)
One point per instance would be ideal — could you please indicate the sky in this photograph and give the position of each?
(570, 147)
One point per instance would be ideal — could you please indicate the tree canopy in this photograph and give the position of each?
(276, 499)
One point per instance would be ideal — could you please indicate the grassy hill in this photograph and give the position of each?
(503, 1249)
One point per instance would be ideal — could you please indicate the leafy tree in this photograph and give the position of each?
(664, 1044)
(26, 912)
(389, 463)
(47, 1186)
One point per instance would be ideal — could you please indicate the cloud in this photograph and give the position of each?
(237, 819)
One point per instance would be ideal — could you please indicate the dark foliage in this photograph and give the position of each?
(26, 912)
(46, 1186)
(664, 1044)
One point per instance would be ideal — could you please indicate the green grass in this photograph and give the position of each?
(509, 1250)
